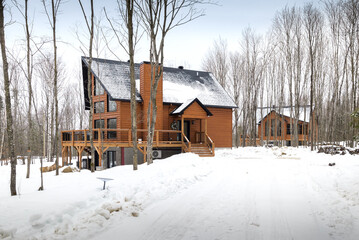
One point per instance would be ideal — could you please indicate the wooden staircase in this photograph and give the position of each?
(202, 150)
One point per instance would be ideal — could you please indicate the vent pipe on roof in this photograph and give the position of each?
(180, 67)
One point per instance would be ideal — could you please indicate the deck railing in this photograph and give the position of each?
(120, 136)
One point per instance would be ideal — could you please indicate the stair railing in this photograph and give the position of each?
(210, 144)
(186, 144)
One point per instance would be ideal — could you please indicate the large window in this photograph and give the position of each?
(111, 124)
(300, 129)
(100, 123)
(99, 107)
(288, 129)
(111, 105)
(279, 128)
(275, 126)
(98, 88)
(266, 129)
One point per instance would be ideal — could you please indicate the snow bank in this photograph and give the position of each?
(245, 193)
(73, 205)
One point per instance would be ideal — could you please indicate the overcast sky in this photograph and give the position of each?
(185, 45)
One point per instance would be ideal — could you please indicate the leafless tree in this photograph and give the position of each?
(236, 74)
(159, 17)
(28, 74)
(52, 17)
(313, 24)
(127, 36)
(217, 61)
(9, 120)
(90, 28)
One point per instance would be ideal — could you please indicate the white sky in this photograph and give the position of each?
(185, 45)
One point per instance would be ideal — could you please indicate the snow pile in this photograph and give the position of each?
(74, 204)
(246, 193)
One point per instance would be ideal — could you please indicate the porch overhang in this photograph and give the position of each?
(192, 108)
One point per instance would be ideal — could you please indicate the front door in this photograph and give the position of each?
(186, 129)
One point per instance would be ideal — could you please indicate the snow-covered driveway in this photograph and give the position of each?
(257, 194)
(250, 193)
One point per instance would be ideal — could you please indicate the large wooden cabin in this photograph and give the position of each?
(194, 113)
(276, 125)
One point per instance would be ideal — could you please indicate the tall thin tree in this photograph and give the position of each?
(9, 120)
(90, 28)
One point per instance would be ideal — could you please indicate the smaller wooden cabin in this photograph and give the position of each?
(194, 113)
(276, 125)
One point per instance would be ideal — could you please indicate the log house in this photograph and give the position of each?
(194, 114)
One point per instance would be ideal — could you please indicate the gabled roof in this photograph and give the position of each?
(114, 77)
(182, 108)
(304, 112)
(179, 85)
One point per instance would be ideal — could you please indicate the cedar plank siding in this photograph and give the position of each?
(285, 120)
(220, 126)
(195, 111)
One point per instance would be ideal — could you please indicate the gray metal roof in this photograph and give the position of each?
(179, 85)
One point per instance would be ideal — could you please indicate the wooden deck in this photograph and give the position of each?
(106, 138)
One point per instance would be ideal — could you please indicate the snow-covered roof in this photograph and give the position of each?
(304, 112)
(179, 85)
(114, 76)
(188, 103)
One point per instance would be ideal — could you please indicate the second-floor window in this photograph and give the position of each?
(111, 105)
(100, 123)
(111, 124)
(99, 107)
(98, 88)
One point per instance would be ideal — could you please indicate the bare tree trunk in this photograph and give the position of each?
(313, 25)
(29, 78)
(90, 27)
(57, 139)
(130, 6)
(9, 119)
(41, 188)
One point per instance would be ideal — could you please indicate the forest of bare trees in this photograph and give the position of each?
(309, 57)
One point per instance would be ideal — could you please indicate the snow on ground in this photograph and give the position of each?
(250, 193)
